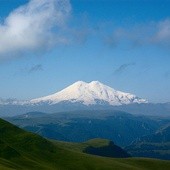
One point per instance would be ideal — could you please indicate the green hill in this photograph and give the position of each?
(23, 150)
(100, 147)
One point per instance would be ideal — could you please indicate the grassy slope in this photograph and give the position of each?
(73, 146)
(35, 152)
(107, 147)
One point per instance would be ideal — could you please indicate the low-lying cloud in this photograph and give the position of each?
(36, 26)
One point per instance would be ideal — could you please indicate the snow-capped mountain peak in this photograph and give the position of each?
(90, 94)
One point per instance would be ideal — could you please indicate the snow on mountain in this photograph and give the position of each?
(90, 94)
(13, 102)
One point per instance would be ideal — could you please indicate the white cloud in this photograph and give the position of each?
(34, 26)
(153, 33)
(163, 32)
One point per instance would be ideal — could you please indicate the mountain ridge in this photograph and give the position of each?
(156, 145)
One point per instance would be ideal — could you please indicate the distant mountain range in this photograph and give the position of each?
(85, 96)
(78, 126)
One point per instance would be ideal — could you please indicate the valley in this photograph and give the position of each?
(24, 150)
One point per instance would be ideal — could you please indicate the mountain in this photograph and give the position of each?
(160, 136)
(23, 150)
(85, 96)
(78, 126)
(90, 94)
(156, 145)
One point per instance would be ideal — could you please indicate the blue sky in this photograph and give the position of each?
(48, 45)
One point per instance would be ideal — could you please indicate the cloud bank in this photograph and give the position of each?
(153, 33)
(41, 24)
(35, 26)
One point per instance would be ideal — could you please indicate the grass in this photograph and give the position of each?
(32, 152)
(81, 146)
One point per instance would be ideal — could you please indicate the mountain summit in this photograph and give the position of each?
(90, 94)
